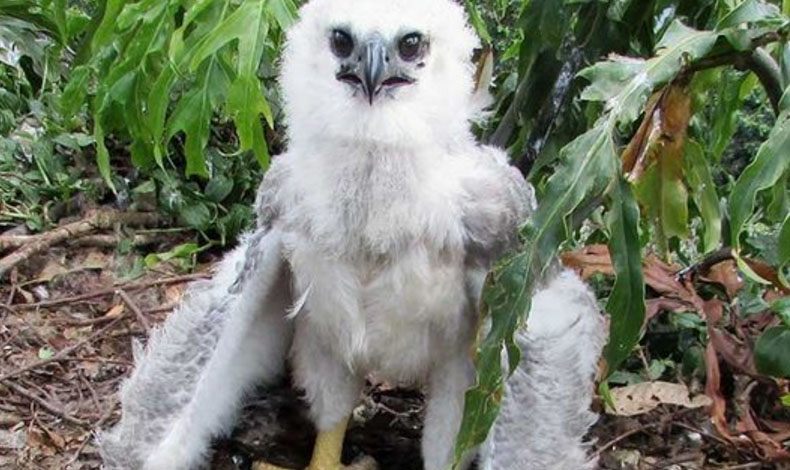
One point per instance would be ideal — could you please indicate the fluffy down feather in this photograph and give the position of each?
(546, 408)
(375, 231)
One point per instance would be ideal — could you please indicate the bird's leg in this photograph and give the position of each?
(327, 451)
(444, 411)
(328, 448)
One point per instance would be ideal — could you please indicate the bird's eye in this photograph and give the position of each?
(409, 46)
(342, 43)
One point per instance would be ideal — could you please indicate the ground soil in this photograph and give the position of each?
(76, 295)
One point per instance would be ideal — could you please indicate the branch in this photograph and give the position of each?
(758, 61)
(101, 220)
(128, 287)
(767, 70)
(64, 353)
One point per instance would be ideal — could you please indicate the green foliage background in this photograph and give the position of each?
(172, 105)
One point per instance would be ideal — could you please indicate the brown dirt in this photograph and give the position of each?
(49, 414)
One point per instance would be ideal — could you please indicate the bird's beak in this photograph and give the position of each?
(374, 64)
(371, 70)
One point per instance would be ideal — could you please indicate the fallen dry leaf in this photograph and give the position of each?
(51, 270)
(641, 398)
(725, 273)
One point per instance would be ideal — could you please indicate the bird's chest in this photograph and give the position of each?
(380, 261)
(394, 316)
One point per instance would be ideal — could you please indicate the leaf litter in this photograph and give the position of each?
(66, 352)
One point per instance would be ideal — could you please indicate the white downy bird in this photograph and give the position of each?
(375, 232)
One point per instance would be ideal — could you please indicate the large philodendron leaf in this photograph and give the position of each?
(771, 162)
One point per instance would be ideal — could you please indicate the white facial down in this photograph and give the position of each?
(381, 72)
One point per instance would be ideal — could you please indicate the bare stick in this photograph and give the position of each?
(135, 309)
(130, 287)
(62, 354)
(19, 390)
(101, 220)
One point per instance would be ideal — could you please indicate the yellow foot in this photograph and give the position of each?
(326, 453)
(364, 463)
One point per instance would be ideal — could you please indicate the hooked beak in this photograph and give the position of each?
(373, 67)
(372, 70)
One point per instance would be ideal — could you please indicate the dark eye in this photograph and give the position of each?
(342, 44)
(409, 46)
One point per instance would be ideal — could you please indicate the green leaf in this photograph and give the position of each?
(196, 215)
(103, 35)
(477, 21)
(102, 156)
(750, 11)
(779, 206)
(771, 352)
(625, 84)
(283, 11)
(729, 100)
(587, 166)
(219, 188)
(617, 9)
(662, 192)
(247, 100)
(626, 304)
(76, 90)
(183, 251)
(767, 168)
(784, 250)
(782, 309)
(193, 116)
(699, 178)
(45, 352)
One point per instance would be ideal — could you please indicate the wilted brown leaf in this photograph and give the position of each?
(590, 260)
(726, 274)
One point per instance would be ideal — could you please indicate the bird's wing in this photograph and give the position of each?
(251, 289)
(495, 202)
(545, 410)
(546, 406)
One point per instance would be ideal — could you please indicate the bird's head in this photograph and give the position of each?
(389, 72)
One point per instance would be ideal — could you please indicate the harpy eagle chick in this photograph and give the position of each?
(375, 231)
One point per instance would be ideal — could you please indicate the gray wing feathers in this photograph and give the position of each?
(545, 412)
(167, 372)
(496, 202)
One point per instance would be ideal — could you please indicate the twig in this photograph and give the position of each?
(767, 70)
(19, 390)
(64, 352)
(129, 287)
(87, 436)
(743, 466)
(624, 436)
(719, 256)
(135, 309)
(15, 241)
(111, 241)
(101, 220)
